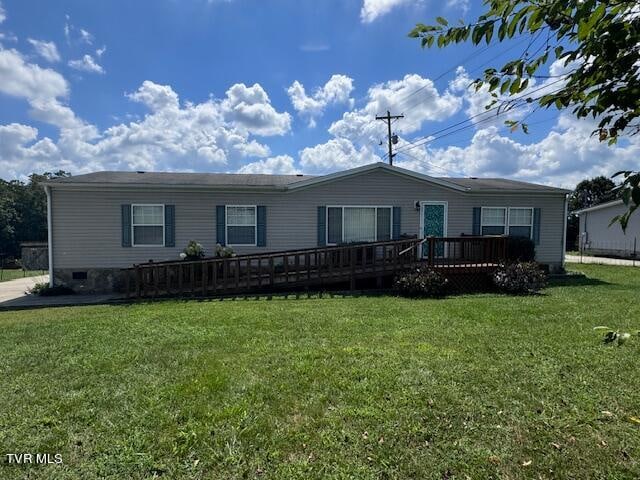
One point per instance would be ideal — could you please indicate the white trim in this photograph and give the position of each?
(598, 207)
(47, 190)
(375, 166)
(564, 229)
(133, 237)
(375, 207)
(446, 216)
(506, 219)
(255, 226)
(522, 225)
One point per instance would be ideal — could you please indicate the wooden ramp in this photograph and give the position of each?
(314, 268)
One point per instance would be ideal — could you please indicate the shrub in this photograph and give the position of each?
(224, 252)
(44, 290)
(524, 278)
(421, 282)
(521, 249)
(193, 251)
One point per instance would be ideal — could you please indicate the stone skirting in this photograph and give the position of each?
(98, 280)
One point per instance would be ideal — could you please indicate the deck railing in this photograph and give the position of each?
(307, 267)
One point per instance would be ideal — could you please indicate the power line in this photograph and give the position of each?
(465, 60)
(468, 119)
(433, 165)
(466, 127)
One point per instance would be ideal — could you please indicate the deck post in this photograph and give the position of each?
(352, 279)
(432, 251)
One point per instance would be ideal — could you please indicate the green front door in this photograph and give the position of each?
(433, 224)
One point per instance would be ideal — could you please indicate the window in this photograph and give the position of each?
(521, 222)
(358, 224)
(147, 225)
(494, 221)
(241, 225)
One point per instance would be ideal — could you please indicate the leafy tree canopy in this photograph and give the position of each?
(23, 211)
(591, 192)
(598, 40)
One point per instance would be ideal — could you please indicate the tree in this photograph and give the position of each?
(23, 211)
(598, 40)
(588, 192)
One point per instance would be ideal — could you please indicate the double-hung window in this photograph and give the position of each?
(147, 225)
(494, 221)
(521, 222)
(241, 225)
(358, 224)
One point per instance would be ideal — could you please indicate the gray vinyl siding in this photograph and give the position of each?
(87, 224)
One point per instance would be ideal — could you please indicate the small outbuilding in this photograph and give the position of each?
(599, 237)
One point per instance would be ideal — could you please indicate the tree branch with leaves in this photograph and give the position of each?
(598, 40)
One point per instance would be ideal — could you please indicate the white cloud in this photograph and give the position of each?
(250, 108)
(337, 90)
(372, 9)
(566, 155)
(100, 51)
(156, 97)
(336, 154)
(21, 79)
(3, 14)
(46, 50)
(282, 165)
(86, 36)
(462, 5)
(86, 64)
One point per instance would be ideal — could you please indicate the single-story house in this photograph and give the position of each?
(102, 222)
(598, 237)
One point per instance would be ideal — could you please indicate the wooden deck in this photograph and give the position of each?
(313, 268)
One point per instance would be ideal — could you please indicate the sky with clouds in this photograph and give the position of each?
(254, 86)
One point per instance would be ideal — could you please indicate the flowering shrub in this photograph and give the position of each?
(224, 252)
(524, 278)
(193, 251)
(421, 282)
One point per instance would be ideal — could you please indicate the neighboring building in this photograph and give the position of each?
(598, 237)
(102, 222)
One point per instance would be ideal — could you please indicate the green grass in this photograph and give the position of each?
(477, 386)
(18, 273)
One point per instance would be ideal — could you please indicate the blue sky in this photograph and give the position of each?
(276, 86)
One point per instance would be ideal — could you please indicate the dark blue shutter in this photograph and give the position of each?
(126, 225)
(322, 226)
(221, 236)
(396, 224)
(169, 225)
(261, 221)
(477, 211)
(536, 226)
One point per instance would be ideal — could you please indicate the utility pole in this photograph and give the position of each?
(392, 138)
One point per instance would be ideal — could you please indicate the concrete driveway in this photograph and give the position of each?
(17, 288)
(602, 260)
(13, 296)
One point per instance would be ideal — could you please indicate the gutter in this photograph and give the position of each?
(47, 190)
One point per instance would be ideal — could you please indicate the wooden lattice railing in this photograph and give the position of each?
(308, 267)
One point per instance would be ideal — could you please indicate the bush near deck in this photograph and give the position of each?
(478, 385)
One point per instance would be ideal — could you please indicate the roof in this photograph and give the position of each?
(289, 182)
(495, 184)
(600, 206)
(181, 179)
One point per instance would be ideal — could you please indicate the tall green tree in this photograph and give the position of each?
(590, 192)
(599, 40)
(23, 211)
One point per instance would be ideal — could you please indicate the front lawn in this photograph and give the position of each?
(478, 386)
(12, 274)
